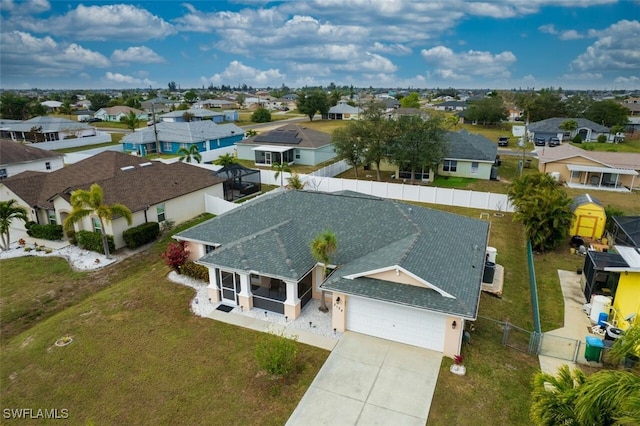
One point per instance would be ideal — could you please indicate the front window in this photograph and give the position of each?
(160, 213)
(97, 226)
(166, 146)
(450, 166)
(575, 174)
(52, 217)
(297, 154)
(474, 168)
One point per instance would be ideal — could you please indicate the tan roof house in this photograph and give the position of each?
(578, 168)
(16, 157)
(115, 113)
(153, 191)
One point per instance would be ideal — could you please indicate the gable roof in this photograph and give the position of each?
(48, 124)
(580, 200)
(292, 135)
(618, 160)
(552, 125)
(197, 112)
(271, 236)
(14, 152)
(154, 182)
(463, 145)
(120, 109)
(344, 108)
(183, 132)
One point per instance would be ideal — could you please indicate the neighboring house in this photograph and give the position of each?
(51, 105)
(170, 137)
(153, 191)
(292, 144)
(157, 105)
(83, 114)
(16, 158)
(578, 168)
(343, 111)
(587, 129)
(468, 155)
(589, 217)
(615, 275)
(401, 272)
(214, 103)
(451, 106)
(117, 112)
(45, 129)
(197, 114)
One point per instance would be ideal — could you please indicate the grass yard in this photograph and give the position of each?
(139, 355)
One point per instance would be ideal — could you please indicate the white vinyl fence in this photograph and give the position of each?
(100, 137)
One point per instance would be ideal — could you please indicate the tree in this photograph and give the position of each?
(608, 113)
(89, 203)
(350, 143)
(453, 121)
(489, 110)
(131, 120)
(323, 246)
(225, 160)
(188, 116)
(10, 211)
(14, 106)
(334, 97)
(412, 100)
(280, 169)
(176, 255)
(191, 153)
(553, 396)
(250, 133)
(569, 126)
(545, 104)
(577, 105)
(261, 115)
(418, 143)
(98, 100)
(172, 86)
(311, 103)
(65, 108)
(543, 208)
(294, 182)
(379, 131)
(240, 100)
(190, 97)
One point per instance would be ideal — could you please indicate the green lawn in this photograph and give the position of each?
(139, 356)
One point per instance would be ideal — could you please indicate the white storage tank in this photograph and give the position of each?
(599, 304)
(492, 252)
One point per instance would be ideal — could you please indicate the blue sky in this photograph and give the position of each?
(574, 44)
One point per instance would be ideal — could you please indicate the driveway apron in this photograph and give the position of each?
(370, 381)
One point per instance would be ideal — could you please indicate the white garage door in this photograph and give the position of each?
(395, 322)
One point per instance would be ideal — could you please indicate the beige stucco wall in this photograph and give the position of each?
(560, 167)
(453, 337)
(339, 303)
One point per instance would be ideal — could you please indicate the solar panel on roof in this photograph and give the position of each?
(279, 136)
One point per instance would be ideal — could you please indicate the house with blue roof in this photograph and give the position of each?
(400, 272)
(169, 137)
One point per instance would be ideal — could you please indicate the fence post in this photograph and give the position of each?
(505, 333)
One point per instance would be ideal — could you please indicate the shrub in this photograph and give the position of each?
(588, 147)
(193, 270)
(93, 241)
(577, 139)
(29, 224)
(141, 234)
(276, 353)
(176, 255)
(46, 232)
(602, 138)
(71, 235)
(261, 115)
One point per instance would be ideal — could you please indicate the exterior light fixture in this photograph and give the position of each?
(454, 325)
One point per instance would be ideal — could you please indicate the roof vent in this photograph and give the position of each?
(125, 168)
(145, 164)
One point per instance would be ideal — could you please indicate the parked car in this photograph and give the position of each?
(539, 141)
(503, 141)
(554, 141)
(94, 120)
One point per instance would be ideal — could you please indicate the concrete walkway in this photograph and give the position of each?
(370, 381)
(576, 324)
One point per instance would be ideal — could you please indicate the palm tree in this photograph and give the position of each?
(453, 121)
(10, 210)
(322, 247)
(131, 120)
(86, 203)
(294, 182)
(188, 116)
(187, 154)
(250, 132)
(225, 160)
(281, 169)
(607, 396)
(553, 397)
(569, 126)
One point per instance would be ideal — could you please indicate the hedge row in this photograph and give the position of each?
(45, 232)
(196, 271)
(141, 234)
(93, 241)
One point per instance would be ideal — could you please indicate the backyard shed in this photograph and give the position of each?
(589, 217)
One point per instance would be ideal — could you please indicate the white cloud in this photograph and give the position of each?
(128, 80)
(109, 22)
(25, 7)
(141, 54)
(617, 48)
(624, 80)
(470, 64)
(585, 76)
(238, 73)
(395, 48)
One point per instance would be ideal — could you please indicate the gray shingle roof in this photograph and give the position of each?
(48, 124)
(468, 146)
(197, 112)
(579, 200)
(271, 236)
(291, 134)
(183, 132)
(552, 125)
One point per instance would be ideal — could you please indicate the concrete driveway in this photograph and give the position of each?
(370, 381)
